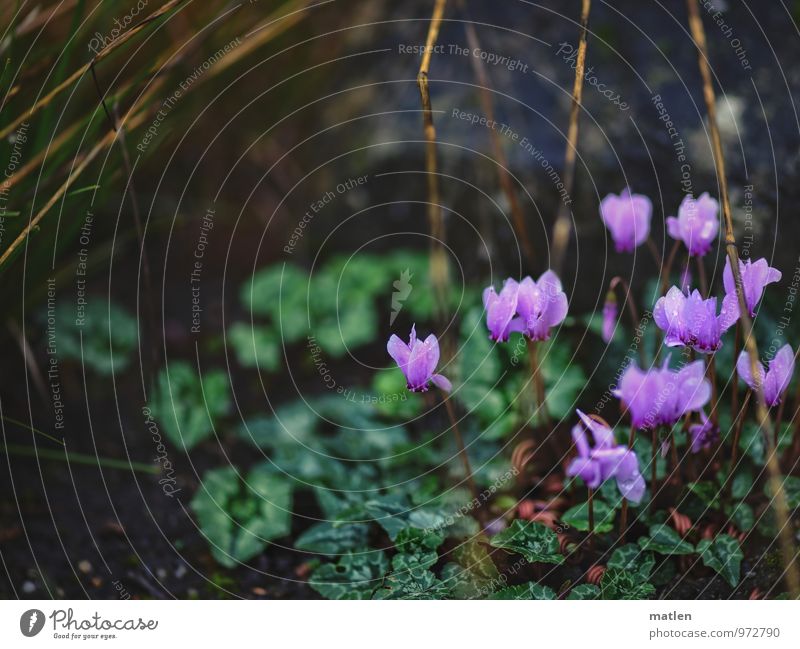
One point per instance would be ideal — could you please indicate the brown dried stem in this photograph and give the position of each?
(563, 225)
(791, 573)
(438, 268)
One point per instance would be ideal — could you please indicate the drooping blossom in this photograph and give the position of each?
(697, 223)
(501, 310)
(418, 360)
(661, 396)
(627, 218)
(775, 379)
(755, 277)
(610, 314)
(704, 435)
(541, 305)
(692, 321)
(605, 459)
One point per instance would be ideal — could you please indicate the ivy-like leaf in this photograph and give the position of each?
(723, 555)
(578, 517)
(534, 541)
(239, 518)
(473, 575)
(584, 591)
(791, 487)
(707, 492)
(255, 346)
(531, 590)
(325, 538)
(622, 584)
(664, 540)
(633, 559)
(102, 338)
(394, 514)
(355, 576)
(188, 405)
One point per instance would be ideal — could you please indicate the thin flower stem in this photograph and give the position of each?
(623, 520)
(590, 500)
(711, 372)
(737, 343)
(779, 420)
(673, 253)
(462, 450)
(737, 431)
(538, 383)
(786, 534)
(633, 312)
(562, 227)
(653, 468)
(673, 452)
(701, 276)
(653, 248)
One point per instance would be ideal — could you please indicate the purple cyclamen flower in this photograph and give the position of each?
(627, 218)
(501, 309)
(697, 223)
(610, 314)
(541, 305)
(418, 361)
(755, 277)
(692, 321)
(704, 435)
(775, 380)
(605, 459)
(661, 396)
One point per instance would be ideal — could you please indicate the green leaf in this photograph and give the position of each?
(188, 406)
(473, 575)
(751, 442)
(791, 487)
(534, 541)
(531, 590)
(397, 402)
(280, 291)
(578, 517)
(102, 337)
(584, 591)
(394, 514)
(741, 515)
(622, 584)
(707, 492)
(352, 325)
(664, 540)
(355, 576)
(255, 346)
(741, 485)
(325, 538)
(239, 518)
(632, 559)
(722, 555)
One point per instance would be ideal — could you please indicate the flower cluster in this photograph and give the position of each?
(604, 459)
(691, 320)
(661, 396)
(528, 307)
